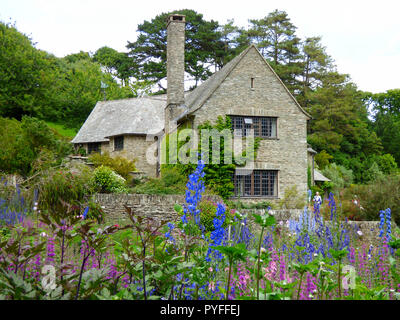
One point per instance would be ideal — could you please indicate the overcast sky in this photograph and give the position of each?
(363, 37)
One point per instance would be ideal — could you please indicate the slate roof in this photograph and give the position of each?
(146, 115)
(143, 115)
(318, 176)
(311, 150)
(200, 94)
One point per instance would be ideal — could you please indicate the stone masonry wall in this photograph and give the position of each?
(162, 207)
(288, 152)
(156, 206)
(136, 147)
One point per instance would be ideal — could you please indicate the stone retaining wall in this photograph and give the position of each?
(154, 205)
(162, 206)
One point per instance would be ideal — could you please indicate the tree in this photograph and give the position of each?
(385, 109)
(275, 36)
(233, 40)
(118, 64)
(316, 64)
(22, 73)
(149, 50)
(22, 142)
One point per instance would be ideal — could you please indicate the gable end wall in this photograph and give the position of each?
(234, 96)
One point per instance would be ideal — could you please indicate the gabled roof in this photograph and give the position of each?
(200, 95)
(311, 150)
(146, 115)
(126, 116)
(318, 176)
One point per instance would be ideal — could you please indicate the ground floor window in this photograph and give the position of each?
(94, 147)
(258, 183)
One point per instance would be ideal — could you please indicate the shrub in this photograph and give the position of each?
(292, 199)
(106, 180)
(208, 212)
(119, 164)
(378, 195)
(172, 181)
(21, 143)
(254, 205)
(340, 176)
(59, 187)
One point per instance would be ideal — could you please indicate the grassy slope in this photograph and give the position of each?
(65, 132)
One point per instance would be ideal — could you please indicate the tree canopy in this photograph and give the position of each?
(357, 130)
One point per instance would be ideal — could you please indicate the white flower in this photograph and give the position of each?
(34, 208)
(359, 232)
(315, 255)
(263, 249)
(43, 234)
(35, 203)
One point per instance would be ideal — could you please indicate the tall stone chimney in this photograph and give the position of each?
(175, 69)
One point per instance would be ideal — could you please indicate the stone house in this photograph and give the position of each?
(247, 89)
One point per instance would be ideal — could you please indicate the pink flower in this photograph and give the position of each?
(211, 286)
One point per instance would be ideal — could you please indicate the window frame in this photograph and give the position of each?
(119, 145)
(243, 190)
(93, 147)
(240, 127)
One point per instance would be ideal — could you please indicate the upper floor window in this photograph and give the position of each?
(263, 127)
(118, 143)
(94, 147)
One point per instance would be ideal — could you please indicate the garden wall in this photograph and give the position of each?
(154, 205)
(162, 207)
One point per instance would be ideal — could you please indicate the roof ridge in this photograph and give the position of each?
(207, 85)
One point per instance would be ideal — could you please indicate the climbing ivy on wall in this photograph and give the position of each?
(218, 176)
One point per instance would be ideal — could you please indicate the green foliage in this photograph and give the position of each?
(322, 159)
(67, 133)
(218, 174)
(119, 164)
(208, 211)
(106, 180)
(60, 189)
(385, 108)
(275, 37)
(202, 46)
(292, 199)
(23, 143)
(382, 193)
(116, 63)
(340, 176)
(253, 205)
(23, 71)
(172, 181)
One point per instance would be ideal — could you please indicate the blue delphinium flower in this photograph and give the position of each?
(168, 234)
(385, 220)
(195, 188)
(85, 212)
(332, 205)
(217, 236)
(388, 224)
